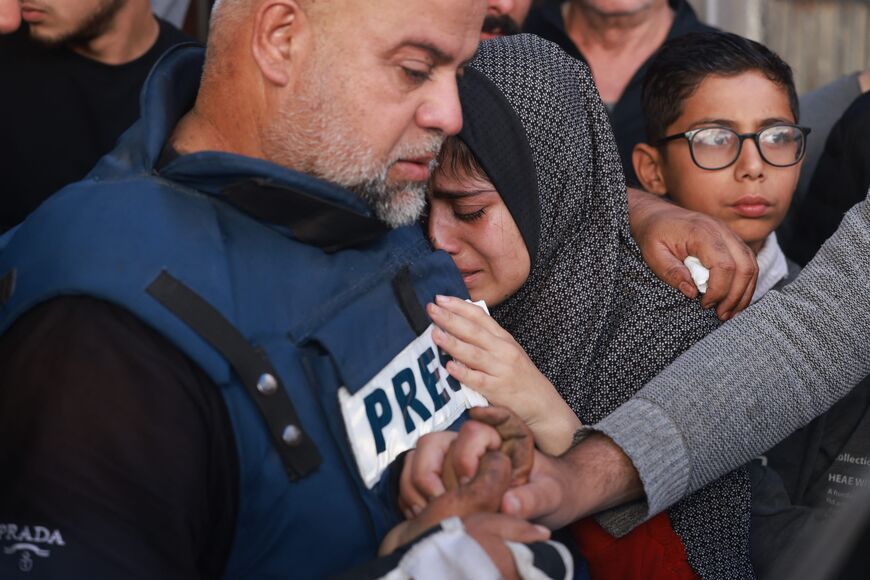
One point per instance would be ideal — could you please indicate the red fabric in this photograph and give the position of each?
(652, 551)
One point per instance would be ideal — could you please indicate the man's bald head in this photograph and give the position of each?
(227, 12)
(229, 17)
(226, 18)
(358, 93)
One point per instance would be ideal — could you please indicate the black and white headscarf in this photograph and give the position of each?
(592, 316)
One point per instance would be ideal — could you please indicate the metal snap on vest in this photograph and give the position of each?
(267, 384)
(292, 435)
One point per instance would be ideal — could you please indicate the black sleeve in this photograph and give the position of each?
(777, 523)
(840, 181)
(116, 452)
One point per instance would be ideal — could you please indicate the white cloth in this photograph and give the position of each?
(524, 558)
(450, 553)
(772, 267)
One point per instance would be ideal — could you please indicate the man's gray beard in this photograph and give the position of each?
(397, 204)
(315, 140)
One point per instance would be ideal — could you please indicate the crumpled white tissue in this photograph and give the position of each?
(700, 274)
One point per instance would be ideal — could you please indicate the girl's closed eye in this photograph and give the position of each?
(470, 216)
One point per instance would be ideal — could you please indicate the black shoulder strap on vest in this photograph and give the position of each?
(297, 451)
(7, 286)
(410, 305)
(313, 220)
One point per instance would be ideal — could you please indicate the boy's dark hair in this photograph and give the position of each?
(681, 64)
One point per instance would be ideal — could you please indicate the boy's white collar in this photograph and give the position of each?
(772, 267)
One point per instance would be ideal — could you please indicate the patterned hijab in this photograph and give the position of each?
(591, 315)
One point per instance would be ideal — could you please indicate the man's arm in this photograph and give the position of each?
(116, 451)
(667, 233)
(591, 477)
(731, 396)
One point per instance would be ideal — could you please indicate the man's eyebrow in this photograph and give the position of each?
(459, 193)
(438, 55)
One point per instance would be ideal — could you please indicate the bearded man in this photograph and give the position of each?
(214, 347)
(73, 73)
(504, 17)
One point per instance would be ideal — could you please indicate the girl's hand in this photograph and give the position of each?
(489, 360)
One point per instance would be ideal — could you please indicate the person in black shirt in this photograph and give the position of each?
(617, 42)
(162, 412)
(72, 74)
(841, 180)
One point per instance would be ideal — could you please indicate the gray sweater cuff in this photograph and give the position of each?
(656, 448)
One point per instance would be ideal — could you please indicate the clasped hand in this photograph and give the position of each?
(489, 360)
(467, 475)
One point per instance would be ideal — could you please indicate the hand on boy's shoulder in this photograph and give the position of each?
(667, 234)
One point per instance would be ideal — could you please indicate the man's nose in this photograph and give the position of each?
(441, 111)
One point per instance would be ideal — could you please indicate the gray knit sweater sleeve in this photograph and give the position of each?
(748, 385)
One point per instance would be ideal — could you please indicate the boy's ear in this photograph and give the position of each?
(647, 163)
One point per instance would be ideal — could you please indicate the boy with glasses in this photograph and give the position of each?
(723, 139)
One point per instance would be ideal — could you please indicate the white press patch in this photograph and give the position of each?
(412, 396)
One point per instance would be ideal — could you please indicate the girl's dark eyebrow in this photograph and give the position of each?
(459, 194)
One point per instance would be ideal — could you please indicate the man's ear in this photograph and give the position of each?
(281, 31)
(647, 163)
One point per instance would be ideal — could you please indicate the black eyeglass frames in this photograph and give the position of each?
(713, 148)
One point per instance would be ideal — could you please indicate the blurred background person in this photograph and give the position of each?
(77, 68)
(840, 180)
(504, 17)
(616, 38)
